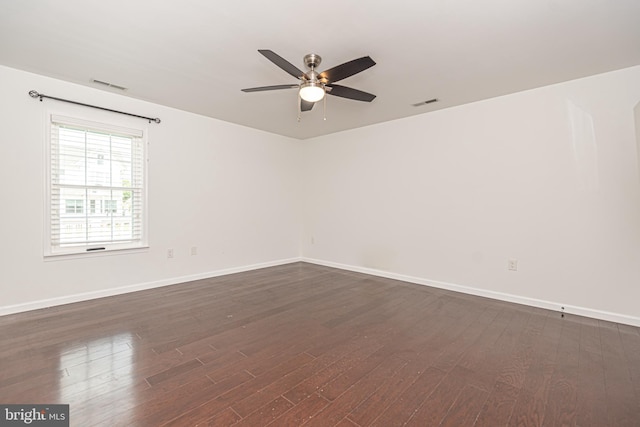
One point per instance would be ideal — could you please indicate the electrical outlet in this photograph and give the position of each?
(169, 253)
(512, 264)
(194, 250)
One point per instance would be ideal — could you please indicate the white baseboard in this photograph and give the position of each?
(68, 299)
(549, 305)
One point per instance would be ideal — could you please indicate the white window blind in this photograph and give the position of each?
(97, 194)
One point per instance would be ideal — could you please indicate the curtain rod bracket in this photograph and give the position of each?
(34, 94)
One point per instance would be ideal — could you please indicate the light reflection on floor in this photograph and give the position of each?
(99, 369)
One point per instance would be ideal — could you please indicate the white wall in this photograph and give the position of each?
(240, 185)
(548, 176)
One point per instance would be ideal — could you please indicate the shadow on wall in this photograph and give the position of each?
(585, 147)
(636, 115)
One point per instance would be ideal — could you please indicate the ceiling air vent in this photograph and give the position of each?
(100, 82)
(429, 101)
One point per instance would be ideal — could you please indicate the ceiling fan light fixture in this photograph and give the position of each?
(312, 91)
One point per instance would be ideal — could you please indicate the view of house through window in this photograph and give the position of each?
(96, 186)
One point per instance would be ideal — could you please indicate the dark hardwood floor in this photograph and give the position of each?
(304, 344)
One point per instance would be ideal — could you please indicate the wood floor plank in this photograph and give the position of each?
(434, 407)
(591, 392)
(464, 342)
(562, 398)
(171, 372)
(267, 413)
(466, 407)
(349, 356)
(623, 408)
(223, 419)
(630, 339)
(301, 413)
(345, 422)
(498, 408)
(346, 379)
(193, 403)
(292, 379)
(350, 399)
(387, 392)
(480, 357)
(403, 408)
(519, 361)
(230, 390)
(538, 385)
(304, 344)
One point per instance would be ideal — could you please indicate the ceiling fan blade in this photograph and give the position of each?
(350, 93)
(282, 63)
(263, 88)
(347, 69)
(305, 105)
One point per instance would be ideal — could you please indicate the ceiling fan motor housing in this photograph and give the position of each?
(312, 60)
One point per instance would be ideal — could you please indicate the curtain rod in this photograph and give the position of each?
(35, 94)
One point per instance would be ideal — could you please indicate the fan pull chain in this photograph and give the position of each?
(299, 106)
(324, 107)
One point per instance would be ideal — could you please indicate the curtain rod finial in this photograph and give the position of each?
(34, 93)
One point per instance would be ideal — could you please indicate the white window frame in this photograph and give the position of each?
(103, 247)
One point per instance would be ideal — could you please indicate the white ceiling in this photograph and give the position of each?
(196, 55)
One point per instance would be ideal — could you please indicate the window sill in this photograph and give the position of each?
(92, 254)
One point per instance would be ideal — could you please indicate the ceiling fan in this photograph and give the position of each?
(313, 85)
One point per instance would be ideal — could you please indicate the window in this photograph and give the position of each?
(110, 206)
(73, 206)
(101, 167)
